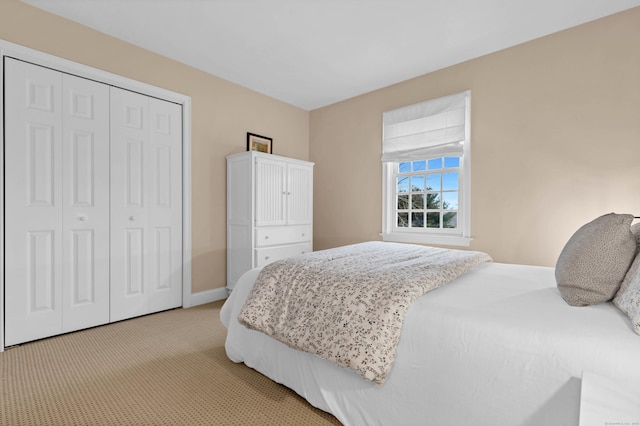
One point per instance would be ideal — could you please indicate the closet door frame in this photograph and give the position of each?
(44, 59)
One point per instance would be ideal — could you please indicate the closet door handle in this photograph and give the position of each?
(132, 218)
(82, 218)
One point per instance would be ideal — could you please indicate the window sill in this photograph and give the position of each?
(447, 240)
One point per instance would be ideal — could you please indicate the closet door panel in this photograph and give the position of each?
(86, 203)
(129, 204)
(165, 205)
(33, 202)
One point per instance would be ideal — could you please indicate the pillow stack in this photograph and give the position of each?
(600, 262)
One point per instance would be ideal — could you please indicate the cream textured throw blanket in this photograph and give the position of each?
(347, 304)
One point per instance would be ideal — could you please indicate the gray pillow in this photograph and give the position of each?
(595, 260)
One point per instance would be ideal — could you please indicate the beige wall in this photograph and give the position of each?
(555, 142)
(222, 114)
(555, 135)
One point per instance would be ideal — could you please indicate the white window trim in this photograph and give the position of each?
(458, 237)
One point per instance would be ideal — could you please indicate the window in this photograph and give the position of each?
(427, 193)
(426, 172)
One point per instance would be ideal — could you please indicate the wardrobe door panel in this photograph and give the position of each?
(86, 203)
(33, 202)
(129, 204)
(271, 192)
(300, 193)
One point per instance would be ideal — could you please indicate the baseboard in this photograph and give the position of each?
(208, 296)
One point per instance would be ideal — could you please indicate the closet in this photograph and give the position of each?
(93, 203)
(269, 210)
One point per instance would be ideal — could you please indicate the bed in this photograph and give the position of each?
(497, 345)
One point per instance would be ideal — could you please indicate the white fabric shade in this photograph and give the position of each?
(425, 130)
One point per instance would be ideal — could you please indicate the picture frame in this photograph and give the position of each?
(259, 143)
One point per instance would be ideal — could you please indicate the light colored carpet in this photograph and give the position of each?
(168, 368)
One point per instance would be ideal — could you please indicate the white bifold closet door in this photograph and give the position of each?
(56, 202)
(146, 204)
(93, 203)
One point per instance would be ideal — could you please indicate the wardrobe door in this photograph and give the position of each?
(85, 203)
(129, 200)
(33, 202)
(299, 194)
(165, 205)
(271, 192)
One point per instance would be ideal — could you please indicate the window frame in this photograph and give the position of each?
(461, 236)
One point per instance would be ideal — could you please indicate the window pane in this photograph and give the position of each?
(417, 183)
(417, 220)
(433, 201)
(403, 220)
(450, 201)
(403, 202)
(417, 201)
(451, 161)
(419, 165)
(450, 220)
(403, 184)
(433, 182)
(435, 164)
(426, 195)
(433, 220)
(450, 181)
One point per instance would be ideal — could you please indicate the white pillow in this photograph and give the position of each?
(635, 230)
(628, 298)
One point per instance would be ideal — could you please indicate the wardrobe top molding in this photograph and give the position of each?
(258, 154)
(37, 57)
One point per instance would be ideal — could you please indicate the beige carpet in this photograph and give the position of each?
(168, 368)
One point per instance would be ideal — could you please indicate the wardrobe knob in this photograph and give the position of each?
(132, 218)
(82, 218)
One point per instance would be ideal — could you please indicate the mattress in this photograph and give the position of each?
(496, 346)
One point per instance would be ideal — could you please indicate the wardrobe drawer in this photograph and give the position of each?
(267, 255)
(282, 235)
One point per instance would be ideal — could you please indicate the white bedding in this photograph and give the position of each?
(347, 304)
(497, 346)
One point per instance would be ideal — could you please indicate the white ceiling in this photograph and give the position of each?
(312, 53)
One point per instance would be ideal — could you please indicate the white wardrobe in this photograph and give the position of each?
(269, 210)
(92, 197)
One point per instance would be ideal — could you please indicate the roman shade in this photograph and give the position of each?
(434, 128)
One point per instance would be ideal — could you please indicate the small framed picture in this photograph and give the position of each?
(259, 143)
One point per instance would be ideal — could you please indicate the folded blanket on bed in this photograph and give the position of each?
(347, 304)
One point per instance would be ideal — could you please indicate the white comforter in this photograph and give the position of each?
(347, 304)
(496, 346)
